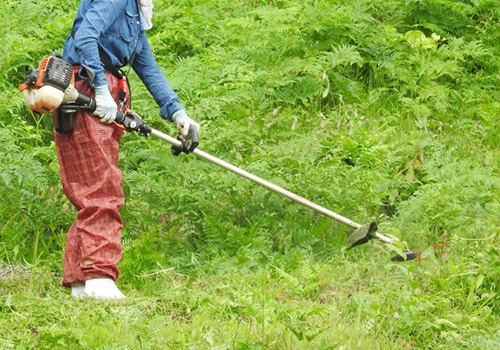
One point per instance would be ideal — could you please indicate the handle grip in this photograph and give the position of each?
(85, 101)
(188, 143)
(120, 117)
(82, 102)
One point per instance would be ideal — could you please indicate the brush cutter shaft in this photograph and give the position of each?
(267, 184)
(383, 238)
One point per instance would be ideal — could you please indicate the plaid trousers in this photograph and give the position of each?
(88, 161)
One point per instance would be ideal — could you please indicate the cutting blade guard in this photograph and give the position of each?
(362, 235)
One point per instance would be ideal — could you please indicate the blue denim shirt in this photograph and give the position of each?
(115, 25)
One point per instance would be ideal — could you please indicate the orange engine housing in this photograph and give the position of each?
(44, 88)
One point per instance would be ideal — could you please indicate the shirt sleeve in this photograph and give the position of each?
(98, 18)
(152, 76)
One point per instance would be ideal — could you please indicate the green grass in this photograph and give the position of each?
(384, 110)
(346, 302)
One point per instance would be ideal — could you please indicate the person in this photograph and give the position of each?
(112, 30)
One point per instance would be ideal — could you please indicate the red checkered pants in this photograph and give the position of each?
(88, 160)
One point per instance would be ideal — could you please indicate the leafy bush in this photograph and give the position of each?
(382, 110)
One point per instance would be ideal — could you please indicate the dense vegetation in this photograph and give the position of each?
(380, 109)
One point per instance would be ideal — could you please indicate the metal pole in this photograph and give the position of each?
(268, 185)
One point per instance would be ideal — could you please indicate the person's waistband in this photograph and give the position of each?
(76, 71)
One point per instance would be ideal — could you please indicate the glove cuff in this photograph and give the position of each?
(179, 114)
(102, 89)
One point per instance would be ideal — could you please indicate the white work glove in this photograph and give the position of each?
(102, 288)
(105, 105)
(183, 122)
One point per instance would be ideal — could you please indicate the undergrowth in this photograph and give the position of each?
(378, 110)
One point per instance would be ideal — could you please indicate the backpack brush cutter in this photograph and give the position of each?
(51, 87)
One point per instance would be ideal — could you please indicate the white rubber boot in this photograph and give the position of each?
(102, 288)
(77, 290)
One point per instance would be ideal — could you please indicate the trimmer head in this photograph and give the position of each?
(367, 232)
(362, 235)
(409, 254)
